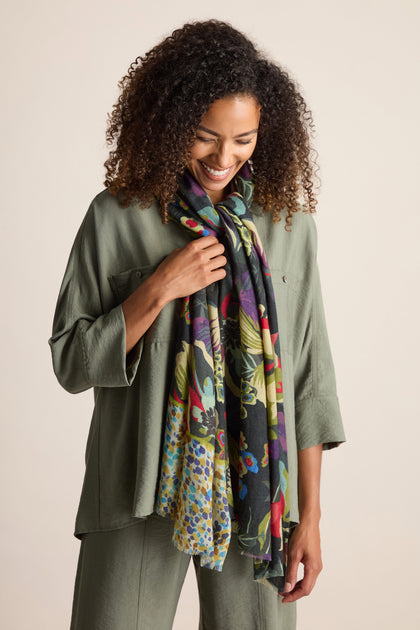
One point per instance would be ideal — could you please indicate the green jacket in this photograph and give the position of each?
(114, 251)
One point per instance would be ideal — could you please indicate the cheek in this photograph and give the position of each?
(198, 151)
(247, 151)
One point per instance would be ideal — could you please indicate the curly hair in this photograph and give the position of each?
(164, 96)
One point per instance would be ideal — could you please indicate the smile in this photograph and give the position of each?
(215, 172)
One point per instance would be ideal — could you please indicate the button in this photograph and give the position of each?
(285, 279)
(138, 274)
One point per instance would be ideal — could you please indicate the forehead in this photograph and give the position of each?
(232, 114)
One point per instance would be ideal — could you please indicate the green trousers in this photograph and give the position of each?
(131, 579)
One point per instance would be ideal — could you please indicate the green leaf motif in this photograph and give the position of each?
(262, 530)
(251, 337)
(181, 376)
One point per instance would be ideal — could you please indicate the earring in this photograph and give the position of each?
(251, 166)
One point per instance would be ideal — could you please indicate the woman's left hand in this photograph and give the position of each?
(304, 547)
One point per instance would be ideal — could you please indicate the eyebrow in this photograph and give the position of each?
(213, 133)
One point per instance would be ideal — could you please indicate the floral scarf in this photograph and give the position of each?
(224, 462)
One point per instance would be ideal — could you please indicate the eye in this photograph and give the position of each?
(244, 141)
(201, 139)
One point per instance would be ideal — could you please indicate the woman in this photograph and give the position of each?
(198, 320)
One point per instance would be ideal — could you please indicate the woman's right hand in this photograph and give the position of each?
(185, 271)
(191, 268)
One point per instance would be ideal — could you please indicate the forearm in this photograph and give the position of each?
(309, 479)
(305, 544)
(140, 310)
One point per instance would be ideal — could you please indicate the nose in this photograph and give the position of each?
(224, 155)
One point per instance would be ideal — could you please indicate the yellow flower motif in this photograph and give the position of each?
(242, 442)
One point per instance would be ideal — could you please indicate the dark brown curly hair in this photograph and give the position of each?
(164, 96)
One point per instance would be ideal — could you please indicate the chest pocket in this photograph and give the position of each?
(286, 291)
(125, 283)
(164, 327)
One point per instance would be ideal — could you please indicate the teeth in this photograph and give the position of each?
(213, 172)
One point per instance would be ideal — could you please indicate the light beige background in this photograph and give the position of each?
(358, 62)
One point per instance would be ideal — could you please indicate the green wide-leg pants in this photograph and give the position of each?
(131, 579)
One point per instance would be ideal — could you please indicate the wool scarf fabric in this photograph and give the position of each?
(224, 461)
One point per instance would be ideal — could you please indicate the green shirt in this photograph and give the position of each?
(114, 251)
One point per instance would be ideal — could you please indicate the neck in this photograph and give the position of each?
(216, 196)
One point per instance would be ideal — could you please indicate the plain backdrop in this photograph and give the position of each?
(357, 64)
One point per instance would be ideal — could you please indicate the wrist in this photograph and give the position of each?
(159, 294)
(310, 516)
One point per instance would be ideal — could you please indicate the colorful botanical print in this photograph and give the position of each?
(224, 454)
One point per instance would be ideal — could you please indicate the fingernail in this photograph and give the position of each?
(287, 587)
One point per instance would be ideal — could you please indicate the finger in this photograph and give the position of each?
(214, 250)
(302, 588)
(295, 594)
(203, 249)
(205, 241)
(217, 274)
(291, 573)
(216, 263)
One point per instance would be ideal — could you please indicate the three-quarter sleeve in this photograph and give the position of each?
(88, 342)
(317, 411)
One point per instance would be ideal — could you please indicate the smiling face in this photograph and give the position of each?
(225, 140)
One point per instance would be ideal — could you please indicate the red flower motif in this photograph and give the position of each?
(264, 460)
(277, 510)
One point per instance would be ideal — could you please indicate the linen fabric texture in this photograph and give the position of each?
(224, 451)
(114, 251)
(131, 579)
